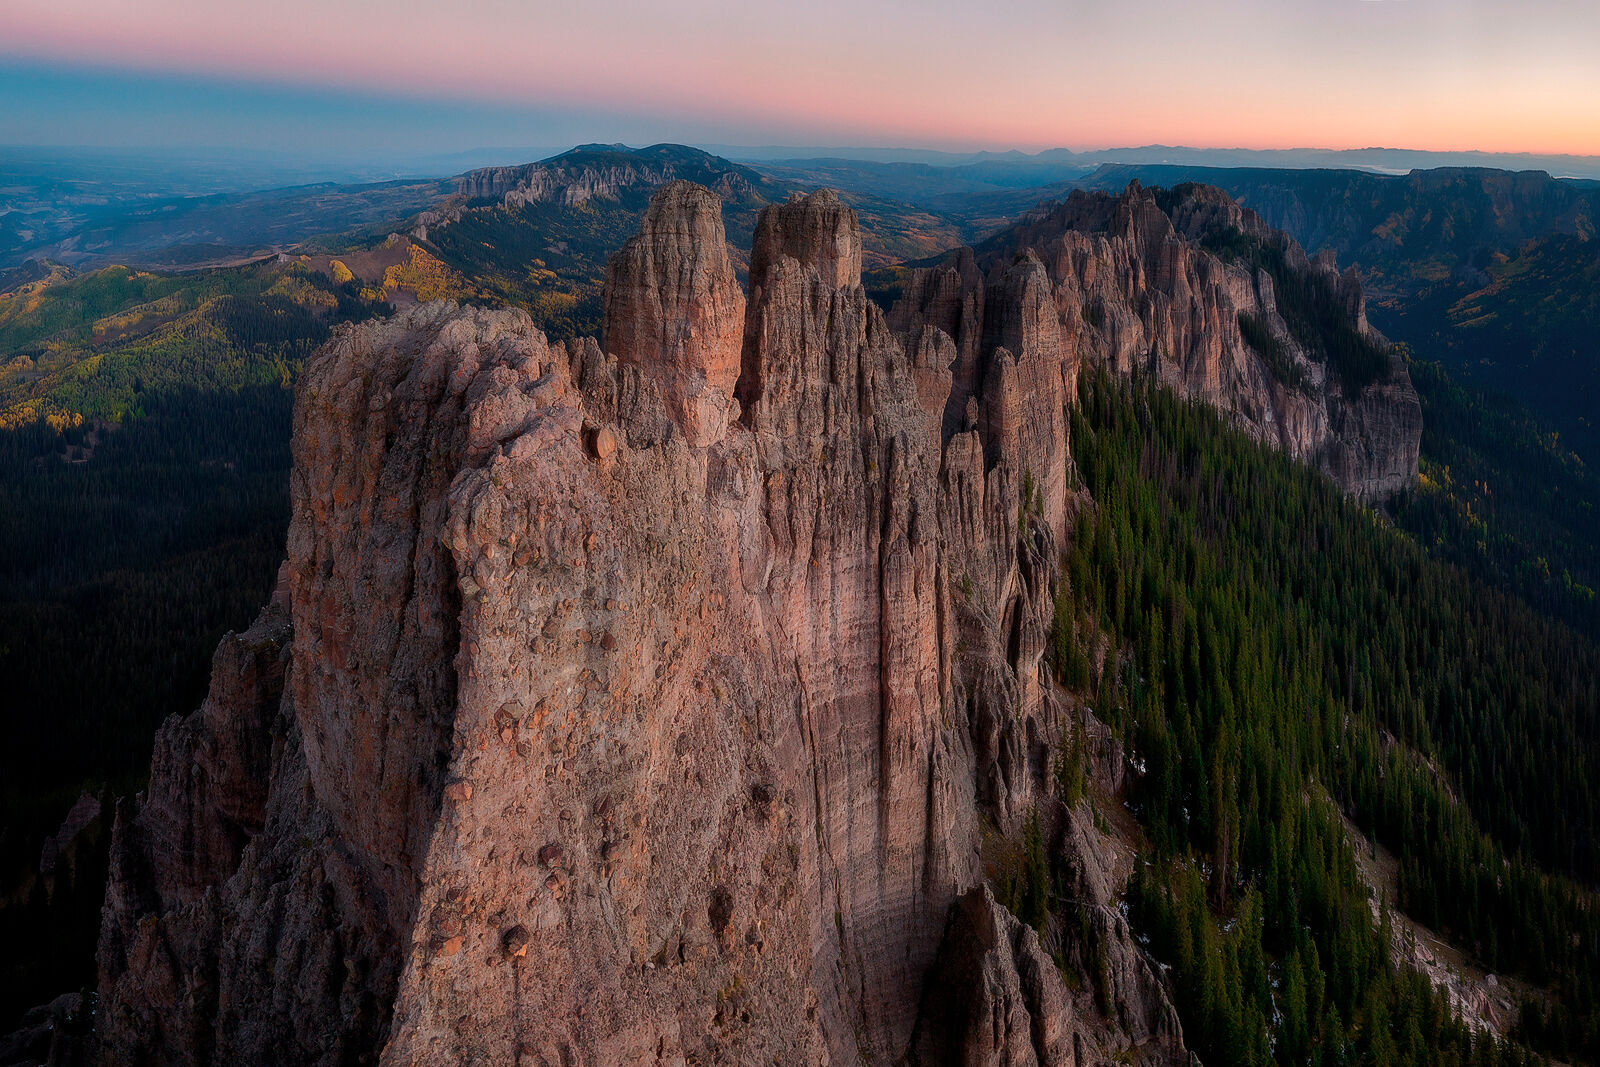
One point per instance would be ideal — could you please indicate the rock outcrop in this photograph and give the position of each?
(674, 311)
(62, 851)
(650, 701)
(994, 995)
(1135, 290)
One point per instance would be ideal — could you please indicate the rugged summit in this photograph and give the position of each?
(674, 310)
(1200, 292)
(669, 699)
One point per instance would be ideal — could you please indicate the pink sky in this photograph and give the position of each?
(1494, 75)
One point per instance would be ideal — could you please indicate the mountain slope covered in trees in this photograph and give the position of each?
(1276, 656)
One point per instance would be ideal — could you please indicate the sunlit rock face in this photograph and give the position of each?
(655, 699)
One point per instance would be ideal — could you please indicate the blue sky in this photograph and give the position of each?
(45, 103)
(358, 77)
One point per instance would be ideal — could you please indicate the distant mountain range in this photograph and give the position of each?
(1455, 257)
(84, 206)
(1387, 160)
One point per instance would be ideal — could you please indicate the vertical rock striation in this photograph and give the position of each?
(652, 700)
(674, 310)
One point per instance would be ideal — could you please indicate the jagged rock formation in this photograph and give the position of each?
(650, 702)
(1131, 287)
(993, 996)
(674, 311)
(1442, 216)
(62, 851)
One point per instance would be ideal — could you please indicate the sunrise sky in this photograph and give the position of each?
(355, 75)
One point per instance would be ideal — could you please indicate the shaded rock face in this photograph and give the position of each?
(994, 996)
(1133, 291)
(60, 855)
(537, 183)
(263, 887)
(595, 173)
(648, 701)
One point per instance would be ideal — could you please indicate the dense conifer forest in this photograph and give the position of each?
(144, 463)
(1279, 657)
(1505, 497)
(118, 576)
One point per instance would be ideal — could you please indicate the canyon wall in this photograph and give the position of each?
(672, 698)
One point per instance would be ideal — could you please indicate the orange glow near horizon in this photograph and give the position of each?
(1448, 75)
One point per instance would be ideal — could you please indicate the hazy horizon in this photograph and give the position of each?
(359, 79)
(199, 168)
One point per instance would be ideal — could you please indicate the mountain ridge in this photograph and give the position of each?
(562, 759)
(1133, 288)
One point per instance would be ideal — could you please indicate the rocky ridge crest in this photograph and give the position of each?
(1133, 288)
(653, 701)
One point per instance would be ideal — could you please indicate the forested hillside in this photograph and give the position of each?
(78, 347)
(144, 460)
(1503, 496)
(118, 575)
(1525, 324)
(1278, 656)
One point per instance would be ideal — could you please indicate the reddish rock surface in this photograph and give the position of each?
(1134, 291)
(627, 722)
(674, 310)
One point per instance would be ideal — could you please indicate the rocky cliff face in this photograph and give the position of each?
(1131, 287)
(674, 311)
(662, 700)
